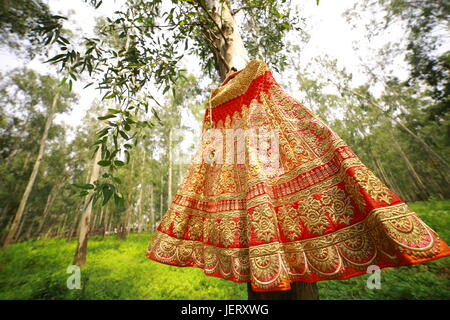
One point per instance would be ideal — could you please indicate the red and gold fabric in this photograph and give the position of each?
(320, 215)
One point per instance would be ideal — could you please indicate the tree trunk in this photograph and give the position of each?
(299, 291)
(161, 207)
(72, 226)
(100, 219)
(18, 233)
(83, 228)
(418, 181)
(105, 221)
(45, 213)
(125, 230)
(152, 208)
(170, 169)
(23, 202)
(225, 40)
(48, 233)
(141, 192)
(404, 127)
(50, 199)
(180, 170)
(62, 227)
(126, 220)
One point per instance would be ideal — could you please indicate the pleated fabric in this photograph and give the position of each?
(274, 196)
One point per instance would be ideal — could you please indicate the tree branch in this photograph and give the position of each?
(233, 12)
(202, 6)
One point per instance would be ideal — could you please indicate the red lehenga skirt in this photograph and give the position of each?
(320, 214)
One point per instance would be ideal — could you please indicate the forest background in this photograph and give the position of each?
(81, 117)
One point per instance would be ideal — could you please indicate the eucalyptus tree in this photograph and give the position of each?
(425, 24)
(36, 91)
(153, 38)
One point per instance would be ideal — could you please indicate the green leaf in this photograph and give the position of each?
(57, 57)
(107, 193)
(119, 163)
(102, 132)
(109, 116)
(83, 186)
(124, 135)
(104, 163)
(119, 201)
(112, 95)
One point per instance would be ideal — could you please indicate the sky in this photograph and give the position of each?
(330, 35)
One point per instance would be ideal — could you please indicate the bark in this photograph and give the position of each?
(62, 227)
(23, 202)
(180, 171)
(152, 208)
(94, 223)
(105, 222)
(126, 221)
(73, 226)
(299, 291)
(224, 39)
(85, 220)
(141, 193)
(170, 169)
(45, 213)
(18, 233)
(161, 198)
(50, 199)
(125, 230)
(100, 219)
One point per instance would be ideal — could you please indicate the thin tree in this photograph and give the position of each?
(84, 224)
(23, 201)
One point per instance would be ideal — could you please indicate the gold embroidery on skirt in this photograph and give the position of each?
(313, 215)
(372, 184)
(289, 222)
(227, 231)
(339, 206)
(195, 227)
(180, 221)
(382, 233)
(264, 223)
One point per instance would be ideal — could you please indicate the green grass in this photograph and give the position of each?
(118, 269)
